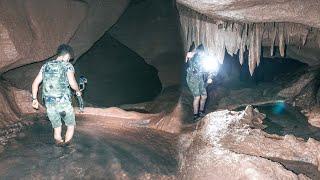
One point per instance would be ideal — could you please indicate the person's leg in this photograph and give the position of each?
(55, 120)
(196, 103)
(69, 133)
(203, 99)
(57, 134)
(203, 102)
(193, 84)
(70, 122)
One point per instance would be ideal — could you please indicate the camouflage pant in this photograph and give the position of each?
(60, 110)
(196, 84)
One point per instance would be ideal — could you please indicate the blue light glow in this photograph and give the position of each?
(279, 107)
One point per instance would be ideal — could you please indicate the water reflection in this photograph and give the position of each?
(283, 119)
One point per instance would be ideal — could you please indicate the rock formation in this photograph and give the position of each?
(303, 12)
(236, 35)
(231, 145)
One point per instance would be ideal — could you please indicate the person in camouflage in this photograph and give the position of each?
(57, 76)
(197, 79)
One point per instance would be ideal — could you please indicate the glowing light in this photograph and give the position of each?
(210, 64)
(279, 107)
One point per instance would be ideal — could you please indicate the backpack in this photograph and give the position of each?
(55, 80)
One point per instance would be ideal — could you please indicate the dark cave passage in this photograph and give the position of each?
(116, 75)
(269, 69)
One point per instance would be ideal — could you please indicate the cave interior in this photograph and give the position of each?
(263, 108)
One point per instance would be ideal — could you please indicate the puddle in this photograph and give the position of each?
(283, 119)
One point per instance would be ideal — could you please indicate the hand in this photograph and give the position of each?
(35, 104)
(78, 93)
(189, 56)
(209, 81)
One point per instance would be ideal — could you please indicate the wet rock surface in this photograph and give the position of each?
(211, 151)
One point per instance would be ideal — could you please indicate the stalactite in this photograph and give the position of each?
(273, 39)
(220, 36)
(252, 59)
(282, 43)
(305, 33)
(244, 37)
(258, 41)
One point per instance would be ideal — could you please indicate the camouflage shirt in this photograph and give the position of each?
(55, 80)
(195, 68)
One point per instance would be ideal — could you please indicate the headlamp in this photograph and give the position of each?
(210, 64)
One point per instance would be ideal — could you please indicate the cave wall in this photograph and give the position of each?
(152, 29)
(31, 30)
(35, 36)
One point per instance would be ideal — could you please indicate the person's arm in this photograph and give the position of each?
(35, 86)
(73, 83)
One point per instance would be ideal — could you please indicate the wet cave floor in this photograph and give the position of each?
(97, 152)
(115, 148)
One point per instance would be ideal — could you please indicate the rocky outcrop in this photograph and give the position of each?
(302, 92)
(30, 31)
(15, 110)
(231, 145)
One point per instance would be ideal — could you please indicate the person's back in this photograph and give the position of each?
(57, 77)
(55, 80)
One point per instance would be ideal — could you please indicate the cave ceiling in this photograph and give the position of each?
(297, 11)
(237, 26)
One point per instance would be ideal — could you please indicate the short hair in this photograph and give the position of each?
(65, 49)
(192, 47)
(200, 48)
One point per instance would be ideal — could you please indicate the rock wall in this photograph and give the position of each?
(30, 31)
